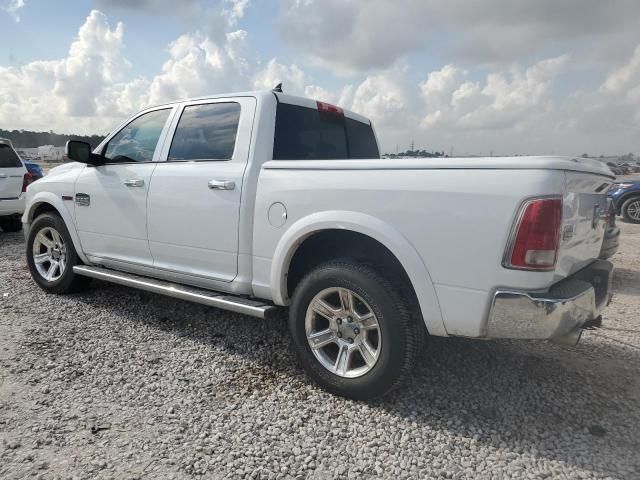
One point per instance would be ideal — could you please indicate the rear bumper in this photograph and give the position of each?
(12, 206)
(559, 313)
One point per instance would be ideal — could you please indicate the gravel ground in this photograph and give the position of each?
(116, 383)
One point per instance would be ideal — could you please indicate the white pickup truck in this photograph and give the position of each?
(254, 201)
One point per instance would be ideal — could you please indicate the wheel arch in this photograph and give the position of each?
(45, 202)
(372, 228)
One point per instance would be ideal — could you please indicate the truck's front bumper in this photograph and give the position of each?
(557, 314)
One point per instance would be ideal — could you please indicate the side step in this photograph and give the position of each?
(246, 306)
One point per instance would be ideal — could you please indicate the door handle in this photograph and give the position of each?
(222, 184)
(134, 182)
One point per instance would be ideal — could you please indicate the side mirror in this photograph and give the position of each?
(81, 152)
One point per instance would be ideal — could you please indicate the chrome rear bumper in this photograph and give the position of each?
(557, 314)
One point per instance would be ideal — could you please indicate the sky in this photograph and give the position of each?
(460, 76)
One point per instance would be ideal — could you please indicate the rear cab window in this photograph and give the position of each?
(306, 133)
(8, 157)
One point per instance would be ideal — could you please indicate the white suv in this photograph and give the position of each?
(14, 179)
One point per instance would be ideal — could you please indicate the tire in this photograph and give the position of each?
(11, 224)
(50, 240)
(631, 210)
(396, 340)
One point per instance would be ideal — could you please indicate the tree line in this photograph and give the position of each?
(29, 139)
(416, 153)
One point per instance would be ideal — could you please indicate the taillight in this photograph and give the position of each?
(534, 246)
(328, 108)
(26, 180)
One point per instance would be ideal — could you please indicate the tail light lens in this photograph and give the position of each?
(26, 180)
(534, 245)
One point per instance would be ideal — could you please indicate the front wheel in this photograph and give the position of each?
(353, 331)
(51, 256)
(631, 210)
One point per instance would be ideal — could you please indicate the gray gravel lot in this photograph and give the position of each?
(117, 383)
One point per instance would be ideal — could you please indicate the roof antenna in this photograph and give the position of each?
(278, 88)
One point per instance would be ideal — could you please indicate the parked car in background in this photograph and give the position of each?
(614, 168)
(14, 178)
(627, 166)
(626, 199)
(625, 169)
(34, 169)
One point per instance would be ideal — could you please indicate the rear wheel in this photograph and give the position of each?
(51, 256)
(631, 210)
(353, 331)
(13, 224)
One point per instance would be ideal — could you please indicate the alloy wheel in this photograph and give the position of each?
(49, 254)
(633, 210)
(343, 332)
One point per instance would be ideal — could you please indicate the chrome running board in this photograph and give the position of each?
(255, 308)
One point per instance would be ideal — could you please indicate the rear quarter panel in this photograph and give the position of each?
(456, 221)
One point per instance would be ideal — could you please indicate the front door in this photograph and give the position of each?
(194, 198)
(111, 199)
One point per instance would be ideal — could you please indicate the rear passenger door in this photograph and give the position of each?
(194, 197)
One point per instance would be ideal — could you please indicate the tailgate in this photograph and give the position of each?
(11, 173)
(584, 221)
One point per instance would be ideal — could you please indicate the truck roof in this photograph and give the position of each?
(267, 95)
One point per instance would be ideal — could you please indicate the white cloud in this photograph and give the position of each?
(157, 7)
(95, 60)
(292, 78)
(318, 93)
(512, 108)
(506, 98)
(13, 7)
(87, 91)
(385, 98)
(198, 66)
(355, 35)
(235, 10)
(55, 94)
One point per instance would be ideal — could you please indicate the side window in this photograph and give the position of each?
(137, 141)
(206, 132)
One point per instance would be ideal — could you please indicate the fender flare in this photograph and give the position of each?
(372, 227)
(57, 203)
